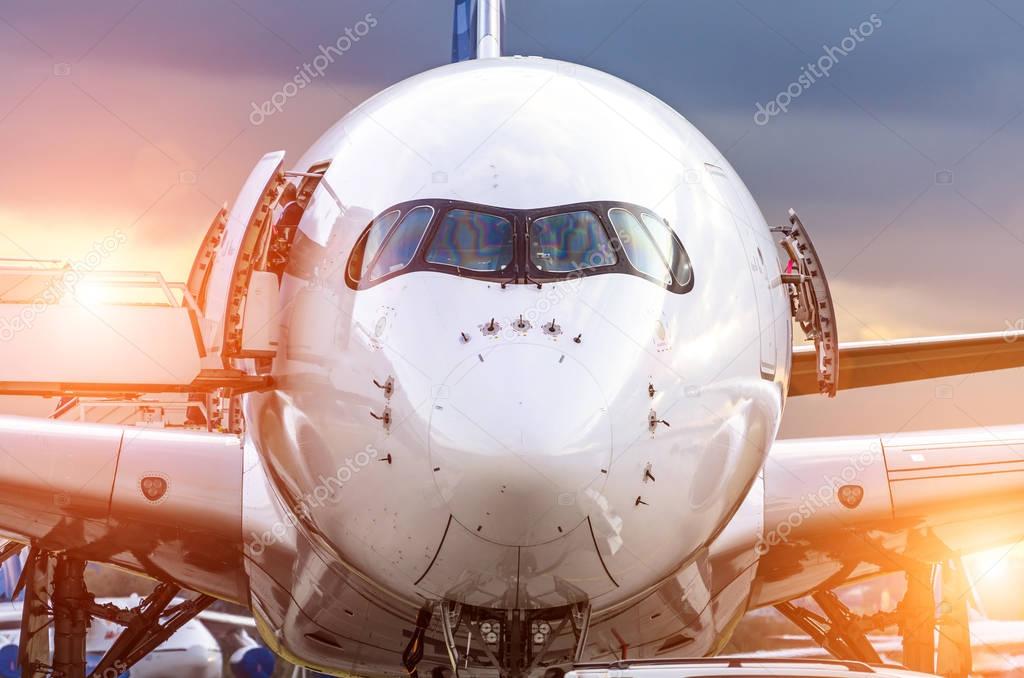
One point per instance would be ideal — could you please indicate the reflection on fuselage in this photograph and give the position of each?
(506, 425)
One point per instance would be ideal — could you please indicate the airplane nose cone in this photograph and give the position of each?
(518, 434)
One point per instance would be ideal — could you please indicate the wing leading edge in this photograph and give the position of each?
(875, 363)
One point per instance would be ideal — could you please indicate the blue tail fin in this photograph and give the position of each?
(464, 31)
(477, 29)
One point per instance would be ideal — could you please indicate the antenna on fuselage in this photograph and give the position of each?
(477, 29)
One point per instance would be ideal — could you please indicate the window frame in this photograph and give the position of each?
(678, 247)
(657, 250)
(417, 252)
(364, 266)
(522, 269)
(357, 255)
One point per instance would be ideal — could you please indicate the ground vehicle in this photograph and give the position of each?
(733, 667)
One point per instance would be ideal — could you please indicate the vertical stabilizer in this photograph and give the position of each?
(477, 29)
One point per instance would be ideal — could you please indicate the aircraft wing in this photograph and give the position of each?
(10, 616)
(227, 619)
(874, 363)
(844, 508)
(162, 503)
(11, 612)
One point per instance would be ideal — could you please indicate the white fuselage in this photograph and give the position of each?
(518, 469)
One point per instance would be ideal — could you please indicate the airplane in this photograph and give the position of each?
(191, 651)
(502, 395)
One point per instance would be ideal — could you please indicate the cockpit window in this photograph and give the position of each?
(573, 241)
(670, 247)
(638, 245)
(400, 247)
(502, 246)
(379, 230)
(472, 240)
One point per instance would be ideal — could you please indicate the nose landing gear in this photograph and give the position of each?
(516, 642)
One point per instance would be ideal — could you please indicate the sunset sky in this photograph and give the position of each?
(904, 162)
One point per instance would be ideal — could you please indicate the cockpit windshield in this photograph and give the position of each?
(568, 242)
(519, 246)
(667, 243)
(400, 247)
(471, 240)
(379, 230)
(638, 244)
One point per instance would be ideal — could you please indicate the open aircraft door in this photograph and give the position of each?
(225, 286)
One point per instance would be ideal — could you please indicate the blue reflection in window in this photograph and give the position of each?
(403, 242)
(472, 240)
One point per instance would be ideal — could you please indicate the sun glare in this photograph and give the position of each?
(991, 565)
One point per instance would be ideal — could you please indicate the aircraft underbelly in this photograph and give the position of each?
(322, 613)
